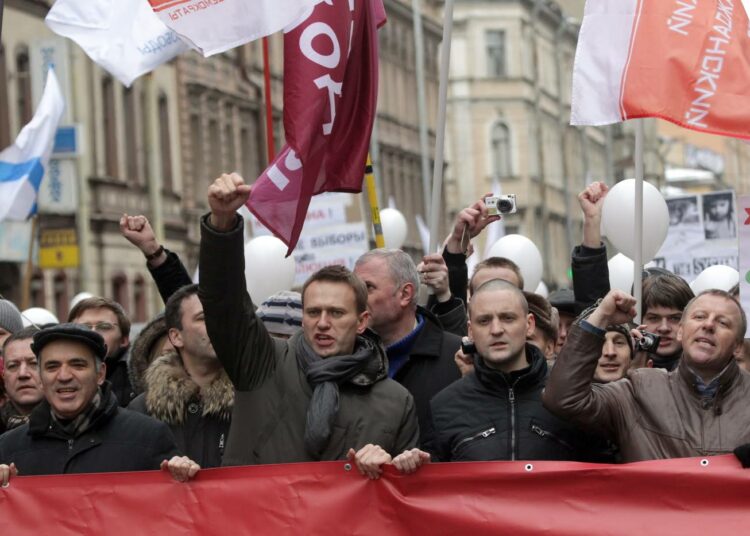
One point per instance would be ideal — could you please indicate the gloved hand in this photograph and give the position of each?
(743, 454)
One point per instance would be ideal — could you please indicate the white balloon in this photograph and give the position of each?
(394, 228)
(39, 316)
(541, 289)
(80, 297)
(267, 270)
(618, 219)
(525, 254)
(621, 273)
(715, 277)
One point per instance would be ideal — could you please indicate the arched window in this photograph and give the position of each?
(110, 126)
(4, 109)
(25, 106)
(165, 144)
(36, 286)
(139, 299)
(131, 136)
(60, 292)
(120, 291)
(501, 151)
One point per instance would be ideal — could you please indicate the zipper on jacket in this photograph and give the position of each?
(485, 434)
(544, 433)
(70, 444)
(512, 400)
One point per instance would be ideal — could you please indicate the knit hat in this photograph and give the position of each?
(10, 317)
(542, 311)
(282, 312)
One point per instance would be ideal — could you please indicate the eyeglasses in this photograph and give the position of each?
(101, 326)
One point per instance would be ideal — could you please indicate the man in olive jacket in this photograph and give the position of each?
(321, 395)
(699, 409)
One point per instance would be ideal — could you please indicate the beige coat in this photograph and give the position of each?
(651, 414)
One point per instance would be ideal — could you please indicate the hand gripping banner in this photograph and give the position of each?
(682, 497)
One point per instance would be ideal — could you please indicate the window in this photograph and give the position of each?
(60, 290)
(4, 110)
(139, 299)
(110, 127)
(37, 289)
(501, 167)
(165, 144)
(23, 84)
(131, 137)
(120, 290)
(495, 53)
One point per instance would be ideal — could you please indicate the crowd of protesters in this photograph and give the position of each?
(354, 368)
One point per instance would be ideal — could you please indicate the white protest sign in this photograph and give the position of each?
(743, 205)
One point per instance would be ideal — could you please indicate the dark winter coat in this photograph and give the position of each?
(272, 393)
(480, 419)
(117, 375)
(170, 276)
(199, 418)
(118, 440)
(590, 275)
(431, 366)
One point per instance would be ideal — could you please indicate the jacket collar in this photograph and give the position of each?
(725, 378)
(534, 374)
(375, 372)
(169, 391)
(40, 421)
(429, 342)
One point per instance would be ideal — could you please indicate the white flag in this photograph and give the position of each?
(22, 164)
(215, 26)
(124, 37)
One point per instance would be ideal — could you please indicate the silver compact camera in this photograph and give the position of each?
(501, 204)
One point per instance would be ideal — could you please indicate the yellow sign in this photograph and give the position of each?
(58, 248)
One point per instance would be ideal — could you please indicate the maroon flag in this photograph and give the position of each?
(330, 94)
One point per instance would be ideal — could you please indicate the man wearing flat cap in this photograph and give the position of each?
(79, 426)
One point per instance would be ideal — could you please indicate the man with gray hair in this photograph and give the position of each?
(420, 352)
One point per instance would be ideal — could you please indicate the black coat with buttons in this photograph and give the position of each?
(117, 440)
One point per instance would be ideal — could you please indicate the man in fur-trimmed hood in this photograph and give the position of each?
(187, 388)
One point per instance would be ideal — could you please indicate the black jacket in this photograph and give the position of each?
(487, 417)
(590, 275)
(118, 376)
(118, 440)
(198, 417)
(430, 367)
(170, 276)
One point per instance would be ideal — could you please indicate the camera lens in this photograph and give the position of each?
(504, 206)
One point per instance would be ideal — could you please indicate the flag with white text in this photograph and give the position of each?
(684, 61)
(22, 165)
(330, 95)
(124, 37)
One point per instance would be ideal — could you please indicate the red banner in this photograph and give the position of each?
(330, 94)
(683, 497)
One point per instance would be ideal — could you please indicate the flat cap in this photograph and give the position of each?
(71, 332)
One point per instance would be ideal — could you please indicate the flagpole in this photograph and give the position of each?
(372, 196)
(424, 141)
(26, 292)
(269, 108)
(437, 172)
(638, 256)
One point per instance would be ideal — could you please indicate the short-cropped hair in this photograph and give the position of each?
(340, 274)
(496, 262)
